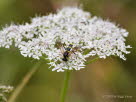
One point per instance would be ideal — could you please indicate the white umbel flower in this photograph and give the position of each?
(3, 91)
(70, 31)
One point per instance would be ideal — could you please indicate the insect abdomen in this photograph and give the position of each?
(64, 59)
(66, 53)
(65, 56)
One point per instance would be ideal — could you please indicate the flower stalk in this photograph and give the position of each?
(65, 86)
(23, 83)
(93, 60)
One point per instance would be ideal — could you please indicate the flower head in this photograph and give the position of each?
(52, 35)
(4, 90)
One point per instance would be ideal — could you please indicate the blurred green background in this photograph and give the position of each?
(111, 76)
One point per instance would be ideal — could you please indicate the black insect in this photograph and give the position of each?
(67, 52)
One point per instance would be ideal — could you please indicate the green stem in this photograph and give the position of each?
(23, 83)
(90, 61)
(65, 86)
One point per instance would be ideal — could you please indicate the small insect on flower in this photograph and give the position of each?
(68, 51)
